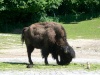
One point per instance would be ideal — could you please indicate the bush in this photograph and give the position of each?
(79, 6)
(19, 13)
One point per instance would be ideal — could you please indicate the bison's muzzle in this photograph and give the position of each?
(67, 55)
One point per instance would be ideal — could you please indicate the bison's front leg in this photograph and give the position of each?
(57, 60)
(56, 56)
(29, 51)
(46, 58)
(46, 61)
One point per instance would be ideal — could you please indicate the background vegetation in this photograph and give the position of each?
(15, 14)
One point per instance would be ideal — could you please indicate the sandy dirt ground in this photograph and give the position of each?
(87, 50)
(84, 48)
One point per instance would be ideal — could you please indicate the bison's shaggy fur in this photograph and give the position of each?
(50, 37)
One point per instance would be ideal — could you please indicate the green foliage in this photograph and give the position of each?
(66, 6)
(19, 13)
(79, 6)
(49, 19)
(53, 4)
(15, 12)
(32, 5)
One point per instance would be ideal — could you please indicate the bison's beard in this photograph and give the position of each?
(64, 57)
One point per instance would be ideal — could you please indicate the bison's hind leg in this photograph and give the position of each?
(45, 54)
(29, 51)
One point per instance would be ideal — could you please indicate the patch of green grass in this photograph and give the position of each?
(95, 66)
(11, 66)
(72, 66)
(9, 41)
(89, 29)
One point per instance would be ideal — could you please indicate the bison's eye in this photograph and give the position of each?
(66, 48)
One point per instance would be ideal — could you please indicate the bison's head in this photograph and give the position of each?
(69, 50)
(67, 54)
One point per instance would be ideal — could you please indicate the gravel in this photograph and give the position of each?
(50, 72)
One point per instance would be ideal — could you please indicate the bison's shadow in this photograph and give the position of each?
(15, 63)
(24, 64)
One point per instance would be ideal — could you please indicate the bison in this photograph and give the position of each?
(50, 37)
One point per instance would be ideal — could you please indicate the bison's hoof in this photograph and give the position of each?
(29, 66)
(58, 63)
(46, 64)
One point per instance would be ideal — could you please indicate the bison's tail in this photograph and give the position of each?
(22, 36)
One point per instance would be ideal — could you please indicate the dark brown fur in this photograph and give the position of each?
(50, 37)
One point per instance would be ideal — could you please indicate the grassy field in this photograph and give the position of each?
(89, 29)
(10, 41)
(72, 66)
